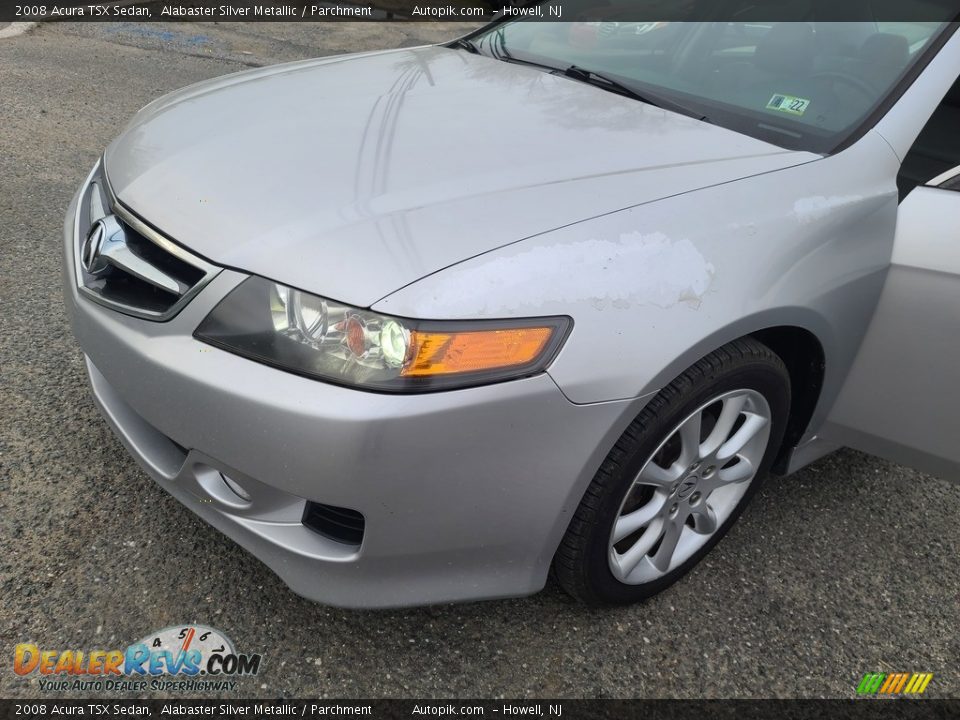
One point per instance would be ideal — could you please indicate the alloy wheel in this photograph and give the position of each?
(689, 486)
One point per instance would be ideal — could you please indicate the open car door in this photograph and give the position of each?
(901, 400)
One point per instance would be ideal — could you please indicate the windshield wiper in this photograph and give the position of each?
(615, 86)
(499, 51)
(465, 44)
(532, 63)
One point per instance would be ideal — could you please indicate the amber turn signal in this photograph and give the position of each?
(447, 353)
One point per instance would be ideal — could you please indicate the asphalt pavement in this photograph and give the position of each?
(848, 567)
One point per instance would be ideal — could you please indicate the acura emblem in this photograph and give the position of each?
(687, 487)
(105, 230)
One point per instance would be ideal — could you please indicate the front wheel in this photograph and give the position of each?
(678, 477)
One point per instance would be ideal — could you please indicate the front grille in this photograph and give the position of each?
(337, 523)
(124, 263)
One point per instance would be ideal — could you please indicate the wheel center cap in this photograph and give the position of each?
(687, 487)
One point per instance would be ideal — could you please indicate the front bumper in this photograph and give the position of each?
(466, 494)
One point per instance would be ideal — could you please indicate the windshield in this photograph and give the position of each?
(801, 85)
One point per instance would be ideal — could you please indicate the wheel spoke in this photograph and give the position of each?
(704, 520)
(725, 422)
(638, 551)
(653, 474)
(690, 440)
(751, 426)
(633, 521)
(742, 470)
(671, 536)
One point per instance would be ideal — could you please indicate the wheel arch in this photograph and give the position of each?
(803, 354)
(802, 338)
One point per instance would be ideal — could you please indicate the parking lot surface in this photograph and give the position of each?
(848, 567)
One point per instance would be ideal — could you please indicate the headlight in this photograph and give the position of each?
(319, 338)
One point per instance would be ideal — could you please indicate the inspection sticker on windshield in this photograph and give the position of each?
(788, 104)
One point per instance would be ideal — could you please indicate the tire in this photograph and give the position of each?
(595, 569)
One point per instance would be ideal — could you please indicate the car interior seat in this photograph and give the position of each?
(881, 60)
(783, 54)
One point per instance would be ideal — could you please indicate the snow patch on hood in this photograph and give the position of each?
(674, 272)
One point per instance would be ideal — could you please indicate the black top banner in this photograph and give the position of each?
(477, 11)
(499, 709)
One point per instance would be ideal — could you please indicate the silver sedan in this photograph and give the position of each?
(418, 326)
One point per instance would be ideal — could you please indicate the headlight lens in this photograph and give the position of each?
(320, 338)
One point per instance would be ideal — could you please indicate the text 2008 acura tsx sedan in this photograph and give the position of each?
(416, 326)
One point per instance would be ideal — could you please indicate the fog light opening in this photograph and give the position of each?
(340, 524)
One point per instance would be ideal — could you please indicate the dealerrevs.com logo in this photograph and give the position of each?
(178, 658)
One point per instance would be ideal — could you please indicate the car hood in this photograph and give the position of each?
(354, 176)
